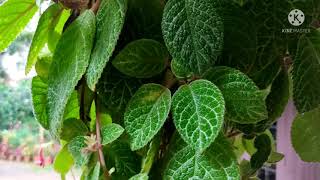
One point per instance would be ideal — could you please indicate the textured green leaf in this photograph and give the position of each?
(193, 33)
(72, 128)
(110, 19)
(94, 173)
(39, 91)
(263, 145)
(115, 89)
(245, 103)
(63, 161)
(142, 58)
(217, 162)
(306, 74)
(276, 102)
(305, 135)
(141, 176)
(110, 133)
(14, 16)
(198, 110)
(146, 113)
(48, 20)
(70, 61)
(43, 65)
(76, 148)
(125, 162)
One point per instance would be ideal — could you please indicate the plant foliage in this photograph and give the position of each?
(176, 89)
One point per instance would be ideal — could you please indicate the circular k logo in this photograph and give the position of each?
(296, 17)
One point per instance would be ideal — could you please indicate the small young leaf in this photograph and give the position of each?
(141, 176)
(63, 161)
(142, 58)
(245, 103)
(72, 128)
(305, 135)
(14, 16)
(110, 19)
(110, 133)
(47, 20)
(198, 110)
(275, 157)
(70, 61)
(75, 147)
(39, 91)
(146, 113)
(193, 33)
(263, 145)
(306, 74)
(217, 162)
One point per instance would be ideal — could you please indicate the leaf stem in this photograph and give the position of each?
(169, 79)
(98, 134)
(95, 6)
(233, 134)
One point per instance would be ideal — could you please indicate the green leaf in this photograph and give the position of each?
(14, 16)
(146, 113)
(63, 161)
(39, 91)
(245, 103)
(76, 148)
(193, 33)
(110, 133)
(217, 162)
(306, 74)
(125, 162)
(70, 61)
(110, 19)
(142, 58)
(198, 110)
(72, 128)
(47, 20)
(141, 176)
(263, 145)
(115, 89)
(43, 65)
(305, 135)
(94, 173)
(275, 157)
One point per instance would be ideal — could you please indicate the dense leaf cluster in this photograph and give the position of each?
(175, 89)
